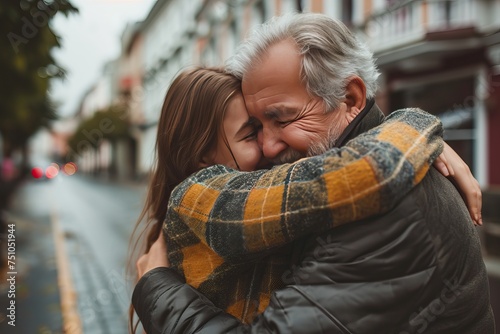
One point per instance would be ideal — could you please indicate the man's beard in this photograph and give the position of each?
(324, 144)
(320, 146)
(287, 156)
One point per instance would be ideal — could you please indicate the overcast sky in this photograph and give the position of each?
(89, 40)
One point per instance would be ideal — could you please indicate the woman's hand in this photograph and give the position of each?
(451, 165)
(156, 257)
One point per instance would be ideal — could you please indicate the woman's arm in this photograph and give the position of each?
(238, 213)
(451, 165)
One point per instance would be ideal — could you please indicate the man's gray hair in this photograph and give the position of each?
(330, 54)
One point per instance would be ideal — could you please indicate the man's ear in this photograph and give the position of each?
(355, 97)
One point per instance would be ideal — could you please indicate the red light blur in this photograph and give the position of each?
(37, 172)
(56, 166)
(51, 172)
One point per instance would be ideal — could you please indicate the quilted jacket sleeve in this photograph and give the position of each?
(166, 304)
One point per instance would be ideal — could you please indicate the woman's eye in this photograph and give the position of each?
(252, 135)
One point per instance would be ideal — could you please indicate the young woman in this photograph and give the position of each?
(204, 123)
(202, 109)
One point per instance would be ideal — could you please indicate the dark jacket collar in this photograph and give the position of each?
(368, 118)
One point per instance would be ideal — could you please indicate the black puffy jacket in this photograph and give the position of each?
(416, 269)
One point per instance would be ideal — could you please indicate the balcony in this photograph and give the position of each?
(407, 23)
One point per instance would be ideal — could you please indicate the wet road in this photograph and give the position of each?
(96, 219)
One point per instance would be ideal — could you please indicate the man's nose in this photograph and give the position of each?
(270, 143)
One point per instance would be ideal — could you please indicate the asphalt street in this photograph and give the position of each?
(95, 219)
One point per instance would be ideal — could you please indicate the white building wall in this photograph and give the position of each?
(98, 98)
(333, 9)
(288, 6)
(379, 5)
(167, 49)
(146, 151)
(357, 12)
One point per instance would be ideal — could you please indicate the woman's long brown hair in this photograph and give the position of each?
(191, 118)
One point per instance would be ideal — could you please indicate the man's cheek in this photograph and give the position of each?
(298, 141)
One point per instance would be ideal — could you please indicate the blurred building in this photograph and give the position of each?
(97, 98)
(130, 94)
(440, 55)
(102, 93)
(168, 46)
(436, 54)
(443, 57)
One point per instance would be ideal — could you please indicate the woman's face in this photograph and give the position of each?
(241, 136)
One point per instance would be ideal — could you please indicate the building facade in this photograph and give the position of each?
(99, 97)
(440, 55)
(168, 46)
(443, 57)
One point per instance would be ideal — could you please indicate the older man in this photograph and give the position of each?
(415, 269)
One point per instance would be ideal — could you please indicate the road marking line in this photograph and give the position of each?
(69, 305)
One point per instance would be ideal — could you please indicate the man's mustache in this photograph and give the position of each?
(287, 156)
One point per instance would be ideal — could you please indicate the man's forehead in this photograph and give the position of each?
(281, 63)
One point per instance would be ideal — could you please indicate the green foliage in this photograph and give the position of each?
(26, 67)
(109, 124)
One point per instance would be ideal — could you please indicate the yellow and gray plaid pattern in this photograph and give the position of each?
(222, 224)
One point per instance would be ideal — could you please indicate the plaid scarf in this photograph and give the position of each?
(228, 232)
